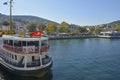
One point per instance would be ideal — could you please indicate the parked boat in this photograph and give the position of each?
(25, 55)
(110, 34)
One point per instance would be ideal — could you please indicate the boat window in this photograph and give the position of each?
(12, 56)
(19, 43)
(15, 43)
(7, 54)
(33, 43)
(10, 42)
(23, 43)
(33, 58)
(43, 43)
(30, 43)
(36, 43)
(5, 41)
(15, 57)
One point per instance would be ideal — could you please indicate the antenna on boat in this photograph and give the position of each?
(11, 17)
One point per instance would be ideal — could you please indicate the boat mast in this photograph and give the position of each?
(11, 16)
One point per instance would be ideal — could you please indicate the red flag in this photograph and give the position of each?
(36, 33)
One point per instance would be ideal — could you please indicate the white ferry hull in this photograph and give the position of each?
(40, 72)
(25, 56)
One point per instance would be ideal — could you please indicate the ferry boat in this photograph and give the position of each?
(109, 34)
(25, 55)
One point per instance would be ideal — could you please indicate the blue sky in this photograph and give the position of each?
(80, 12)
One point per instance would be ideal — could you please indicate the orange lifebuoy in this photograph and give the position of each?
(45, 48)
(42, 49)
(37, 49)
(30, 50)
(15, 49)
(23, 50)
(18, 50)
(48, 46)
(4, 46)
(12, 49)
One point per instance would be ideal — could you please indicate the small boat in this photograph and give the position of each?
(109, 34)
(25, 55)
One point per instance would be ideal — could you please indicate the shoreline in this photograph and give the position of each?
(71, 37)
(80, 37)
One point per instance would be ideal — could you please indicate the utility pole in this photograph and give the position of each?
(11, 17)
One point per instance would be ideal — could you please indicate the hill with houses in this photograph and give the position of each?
(24, 19)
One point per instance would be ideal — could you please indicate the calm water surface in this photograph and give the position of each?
(81, 59)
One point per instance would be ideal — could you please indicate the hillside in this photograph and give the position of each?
(115, 23)
(110, 24)
(25, 19)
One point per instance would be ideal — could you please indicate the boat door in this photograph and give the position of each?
(33, 58)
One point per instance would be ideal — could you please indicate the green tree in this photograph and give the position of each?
(64, 27)
(41, 26)
(5, 23)
(117, 28)
(67, 30)
(81, 30)
(31, 27)
(98, 30)
(51, 28)
(77, 30)
(90, 30)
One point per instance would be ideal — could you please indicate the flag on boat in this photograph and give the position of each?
(5, 3)
(36, 33)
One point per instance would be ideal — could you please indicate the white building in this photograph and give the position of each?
(4, 27)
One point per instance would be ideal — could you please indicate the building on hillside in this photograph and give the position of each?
(4, 27)
(73, 27)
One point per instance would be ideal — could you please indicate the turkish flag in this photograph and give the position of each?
(36, 33)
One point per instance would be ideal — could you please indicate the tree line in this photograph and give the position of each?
(53, 28)
(63, 27)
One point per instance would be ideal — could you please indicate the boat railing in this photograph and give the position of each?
(12, 62)
(37, 62)
(26, 50)
(34, 63)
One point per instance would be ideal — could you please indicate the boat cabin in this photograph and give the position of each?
(25, 45)
(24, 51)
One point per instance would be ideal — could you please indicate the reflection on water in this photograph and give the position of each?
(86, 59)
(8, 76)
